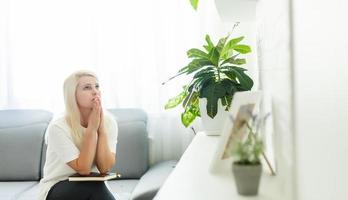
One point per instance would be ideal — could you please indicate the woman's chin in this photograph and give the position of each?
(87, 107)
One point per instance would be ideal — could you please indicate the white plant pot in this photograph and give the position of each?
(236, 10)
(212, 126)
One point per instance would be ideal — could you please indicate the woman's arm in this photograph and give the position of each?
(105, 158)
(83, 163)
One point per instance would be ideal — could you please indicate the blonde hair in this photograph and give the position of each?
(72, 112)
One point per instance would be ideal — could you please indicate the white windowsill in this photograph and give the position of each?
(191, 179)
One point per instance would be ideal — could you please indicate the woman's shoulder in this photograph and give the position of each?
(59, 122)
(57, 128)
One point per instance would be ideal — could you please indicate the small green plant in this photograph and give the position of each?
(248, 152)
(217, 75)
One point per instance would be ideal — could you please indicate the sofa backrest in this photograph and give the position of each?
(132, 151)
(23, 150)
(21, 142)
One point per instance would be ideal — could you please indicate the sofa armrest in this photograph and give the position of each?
(152, 180)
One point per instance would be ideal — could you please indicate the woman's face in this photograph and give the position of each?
(87, 90)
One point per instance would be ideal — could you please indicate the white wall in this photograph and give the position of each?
(303, 67)
(269, 34)
(231, 12)
(4, 5)
(274, 56)
(321, 98)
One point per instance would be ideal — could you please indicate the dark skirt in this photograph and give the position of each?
(80, 190)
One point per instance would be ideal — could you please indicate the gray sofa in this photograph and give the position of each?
(22, 155)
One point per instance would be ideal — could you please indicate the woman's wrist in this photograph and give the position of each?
(101, 130)
(92, 129)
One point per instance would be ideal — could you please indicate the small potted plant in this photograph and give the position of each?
(216, 75)
(246, 166)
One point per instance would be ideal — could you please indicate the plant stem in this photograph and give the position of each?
(218, 73)
(235, 25)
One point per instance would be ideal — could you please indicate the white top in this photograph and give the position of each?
(61, 149)
(191, 179)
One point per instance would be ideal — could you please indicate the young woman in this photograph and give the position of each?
(82, 141)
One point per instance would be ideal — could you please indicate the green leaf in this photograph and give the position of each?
(230, 86)
(214, 56)
(194, 4)
(230, 75)
(232, 60)
(206, 47)
(173, 102)
(196, 53)
(231, 68)
(187, 118)
(190, 114)
(198, 65)
(235, 41)
(200, 82)
(194, 65)
(189, 99)
(238, 61)
(221, 44)
(212, 91)
(209, 71)
(226, 101)
(212, 107)
(229, 46)
(241, 48)
(209, 42)
(245, 81)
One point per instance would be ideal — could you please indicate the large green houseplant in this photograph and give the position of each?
(216, 75)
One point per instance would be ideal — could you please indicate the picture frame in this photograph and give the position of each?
(242, 104)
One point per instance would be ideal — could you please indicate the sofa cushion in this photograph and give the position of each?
(16, 118)
(30, 194)
(152, 180)
(12, 190)
(132, 153)
(21, 141)
(122, 189)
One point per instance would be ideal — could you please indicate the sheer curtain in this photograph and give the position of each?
(133, 46)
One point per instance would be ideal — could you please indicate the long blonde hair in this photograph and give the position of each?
(72, 112)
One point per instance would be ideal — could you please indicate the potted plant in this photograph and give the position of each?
(246, 166)
(217, 73)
